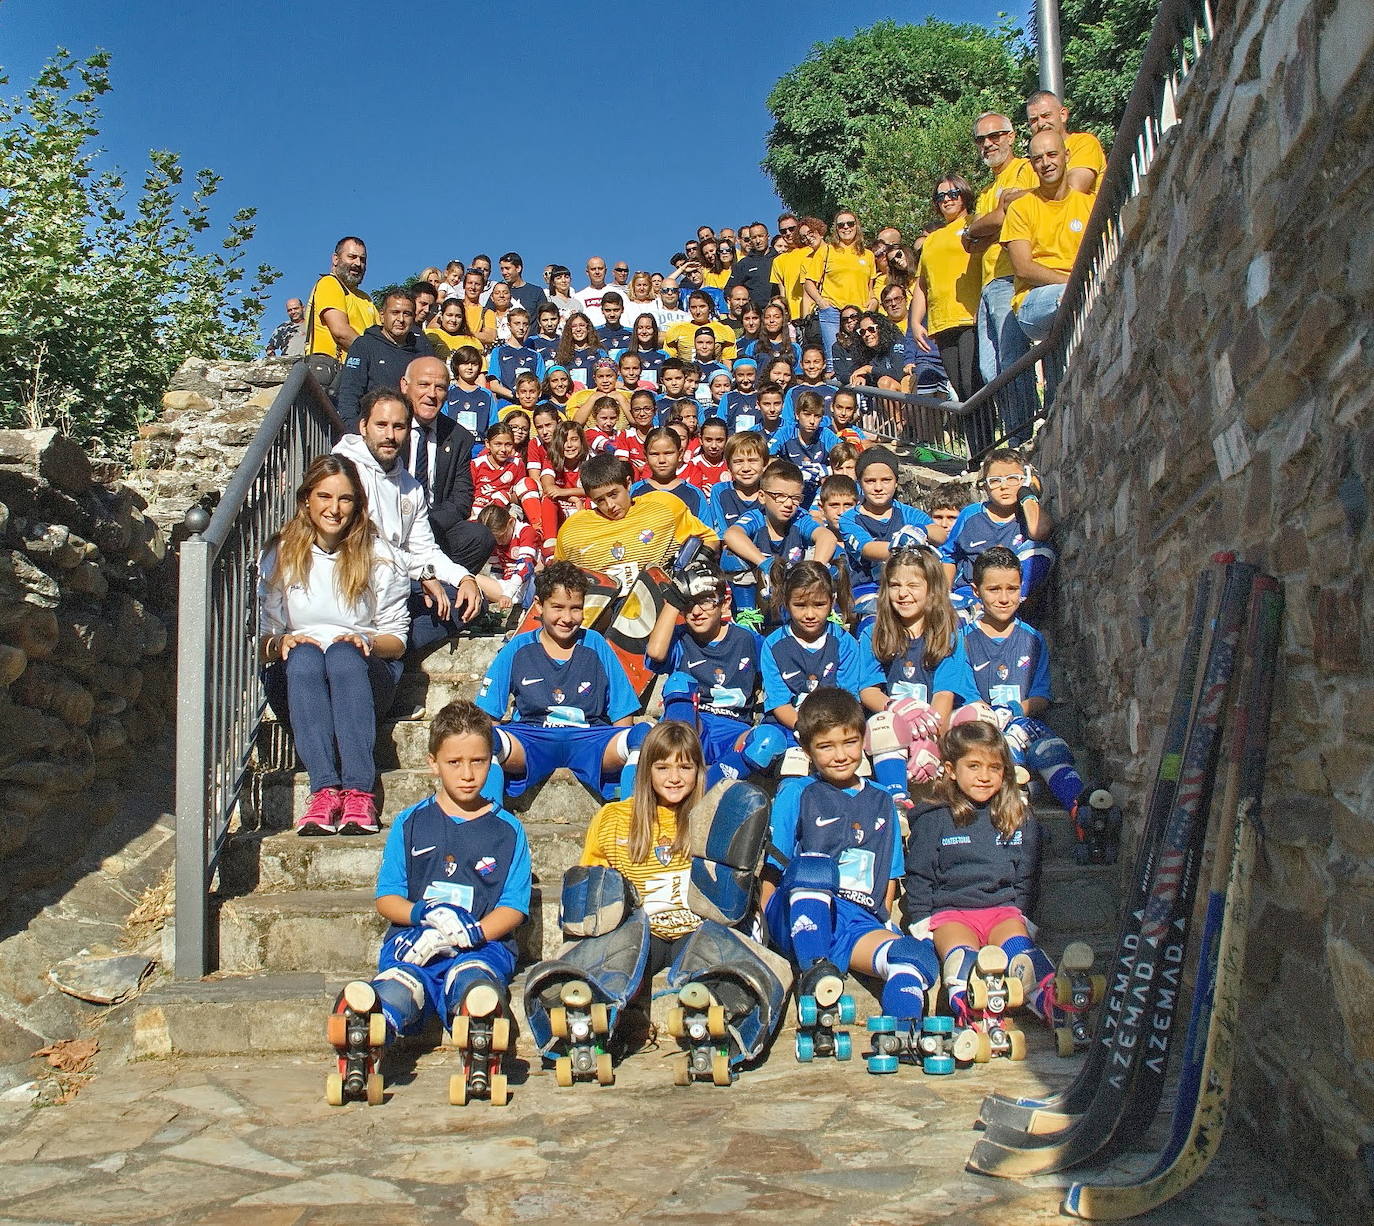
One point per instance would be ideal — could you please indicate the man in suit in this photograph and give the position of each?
(439, 455)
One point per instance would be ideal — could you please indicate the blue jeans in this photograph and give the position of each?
(1037, 310)
(332, 698)
(1000, 343)
(829, 320)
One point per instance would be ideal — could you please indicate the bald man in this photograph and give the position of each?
(1046, 112)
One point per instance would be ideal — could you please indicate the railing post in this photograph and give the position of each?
(192, 886)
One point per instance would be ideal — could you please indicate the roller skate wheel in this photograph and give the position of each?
(1077, 956)
(982, 1051)
(844, 1046)
(563, 1071)
(1016, 1044)
(336, 1030)
(938, 1066)
(600, 1018)
(500, 1034)
(1063, 1039)
(360, 996)
(992, 960)
(937, 1025)
(715, 1021)
(806, 1048)
(966, 1046)
(458, 1090)
(376, 1030)
(461, 1033)
(677, 1023)
(500, 1090)
(605, 1072)
(806, 1011)
(848, 1010)
(334, 1090)
(1063, 991)
(720, 1069)
(481, 1000)
(882, 1064)
(558, 1022)
(827, 990)
(977, 994)
(576, 994)
(881, 1024)
(1016, 992)
(682, 1069)
(1099, 983)
(1101, 800)
(376, 1087)
(695, 996)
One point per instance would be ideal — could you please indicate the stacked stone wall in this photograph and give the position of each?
(1221, 399)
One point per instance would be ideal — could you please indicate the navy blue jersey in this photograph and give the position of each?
(826, 391)
(688, 493)
(614, 338)
(968, 867)
(707, 369)
(531, 297)
(727, 671)
(666, 406)
(581, 363)
(588, 688)
(907, 676)
(776, 435)
(741, 411)
(764, 352)
(903, 525)
(792, 669)
(650, 360)
(544, 346)
(478, 864)
(472, 409)
(811, 459)
(506, 363)
(973, 532)
(789, 548)
(1009, 669)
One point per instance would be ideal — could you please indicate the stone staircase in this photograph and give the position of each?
(294, 917)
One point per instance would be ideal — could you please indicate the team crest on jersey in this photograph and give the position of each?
(908, 670)
(450, 866)
(858, 832)
(1003, 672)
(557, 696)
(486, 866)
(718, 675)
(663, 853)
(794, 555)
(646, 536)
(583, 687)
(1023, 661)
(617, 552)
(812, 682)
(744, 662)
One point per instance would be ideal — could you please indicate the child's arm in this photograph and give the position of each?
(1038, 523)
(396, 909)
(737, 542)
(495, 693)
(922, 868)
(1027, 882)
(592, 855)
(824, 543)
(660, 644)
(777, 696)
(500, 922)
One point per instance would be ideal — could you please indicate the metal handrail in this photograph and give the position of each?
(1181, 32)
(219, 691)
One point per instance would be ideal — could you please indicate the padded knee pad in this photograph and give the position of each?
(462, 977)
(680, 692)
(957, 967)
(1027, 962)
(812, 870)
(729, 834)
(402, 995)
(763, 746)
(1048, 754)
(594, 901)
(635, 736)
(917, 956)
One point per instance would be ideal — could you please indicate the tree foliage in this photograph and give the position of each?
(861, 91)
(1102, 41)
(104, 289)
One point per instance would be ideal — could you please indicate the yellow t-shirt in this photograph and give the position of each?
(953, 279)
(445, 344)
(1017, 173)
(661, 879)
(716, 280)
(1084, 149)
(655, 523)
(1054, 229)
(479, 317)
(331, 293)
(788, 271)
(843, 277)
(680, 339)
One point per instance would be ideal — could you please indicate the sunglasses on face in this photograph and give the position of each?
(849, 319)
(788, 230)
(846, 225)
(940, 197)
(867, 330)
(983, 137)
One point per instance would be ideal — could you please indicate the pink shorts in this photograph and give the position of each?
(982, 921)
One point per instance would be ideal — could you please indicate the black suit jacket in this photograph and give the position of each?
(451, 489)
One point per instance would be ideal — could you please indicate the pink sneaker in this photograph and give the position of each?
(359, 813)
(322, 814)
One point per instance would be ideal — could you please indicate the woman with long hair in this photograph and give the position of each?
(949, 282)
(838, 274)
(578, 348)
(885, 357)
(649, 345)
(332, 624)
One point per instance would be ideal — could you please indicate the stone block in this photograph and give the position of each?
(1336, 619)
(47, 456)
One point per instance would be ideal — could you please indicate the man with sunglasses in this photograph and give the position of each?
(1000, 339)
(620, 278)
(787, 227)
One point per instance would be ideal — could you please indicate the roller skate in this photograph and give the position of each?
(481, 1031)
(991, 993)
(1069, 996)
(942, 1047)
(1096, 826)
(894, 1042)
(584, 1023)
(823, 1005)
(357, 1031)
(699, 1024)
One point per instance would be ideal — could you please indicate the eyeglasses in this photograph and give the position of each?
(620, 268)
(787, 230)
(779, 496)
(952, 194)
(845, 225)
(981, 137)
(849, 319)
(708, 604)
(1010, 479)
(867, 330)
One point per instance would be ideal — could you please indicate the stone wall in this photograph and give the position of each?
(1222, 400)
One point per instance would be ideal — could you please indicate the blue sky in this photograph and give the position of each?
(590, 128)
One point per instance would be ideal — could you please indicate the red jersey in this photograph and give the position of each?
(598, 443)
(704, 474)
(516, 559)
(629, 446)
(494, 483)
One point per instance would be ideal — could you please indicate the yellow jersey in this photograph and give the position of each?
(331, 294)
(680, 339)
(1085, 150)
(1017, 173)
(445, 344)
(843, 277)
(953, 279)
(660, 879)
(479, 317)
(1054, 229)
(788, 270)
(655, 524)
(716, 280)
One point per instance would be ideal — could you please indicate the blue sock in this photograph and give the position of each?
(1030, 964)
(812, 926)
(904, 995)
(889, 772)
(1053, 760)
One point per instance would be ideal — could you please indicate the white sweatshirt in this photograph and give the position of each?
(316, 610)
(396, 503)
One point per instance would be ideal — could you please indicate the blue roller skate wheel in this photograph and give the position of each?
(882, 1064)
(848, 1010)
(938, 1025)
(844, 1047)
(806, 1010)
(938, 1066)
(806, 1048)
(882, 1024)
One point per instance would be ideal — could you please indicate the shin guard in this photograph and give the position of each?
(958, 964)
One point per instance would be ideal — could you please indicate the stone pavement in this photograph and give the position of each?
(234, 1141)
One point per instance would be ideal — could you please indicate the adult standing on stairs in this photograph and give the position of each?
(332, 622)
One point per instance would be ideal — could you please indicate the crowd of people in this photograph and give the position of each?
(511, 445)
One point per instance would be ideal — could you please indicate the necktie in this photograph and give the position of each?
(421, 469)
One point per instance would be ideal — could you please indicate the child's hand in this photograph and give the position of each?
(428, 946)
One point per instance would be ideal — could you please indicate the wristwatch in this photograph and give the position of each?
(427, 572)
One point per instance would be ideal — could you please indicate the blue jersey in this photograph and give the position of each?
(724, 508)
(582, 361)
(726, 670)
(907, 676)
(894, 362)
(506, 363)
(765, 351)
(472, 409)
(903, 525)
(856, 827)
(614, 339)
(478, 863)
(792, 669)
(775, 436)
(1009, 669)
(812, 458)
(650, 361)
(973, 532)
(588, 688)
(688, 493)
(826, 391)
(707, 369)
(740, 411)
(789, 548)
(666, 406)
(544, 346)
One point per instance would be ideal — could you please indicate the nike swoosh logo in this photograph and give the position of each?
(978, 668)
(826, 821)
(695, 663)
(975, 544)
(530, 680)
(796, 672)
(420, 851)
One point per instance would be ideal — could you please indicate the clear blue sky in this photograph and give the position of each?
(608, 128)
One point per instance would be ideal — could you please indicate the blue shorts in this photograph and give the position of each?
(496, 957)
(719, 734)
(852, 924)
(546, 749)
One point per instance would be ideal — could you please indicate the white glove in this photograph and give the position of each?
(428, 946)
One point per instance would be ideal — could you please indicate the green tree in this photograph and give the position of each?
(104, 290)
(1103, 41)
(850, 92)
